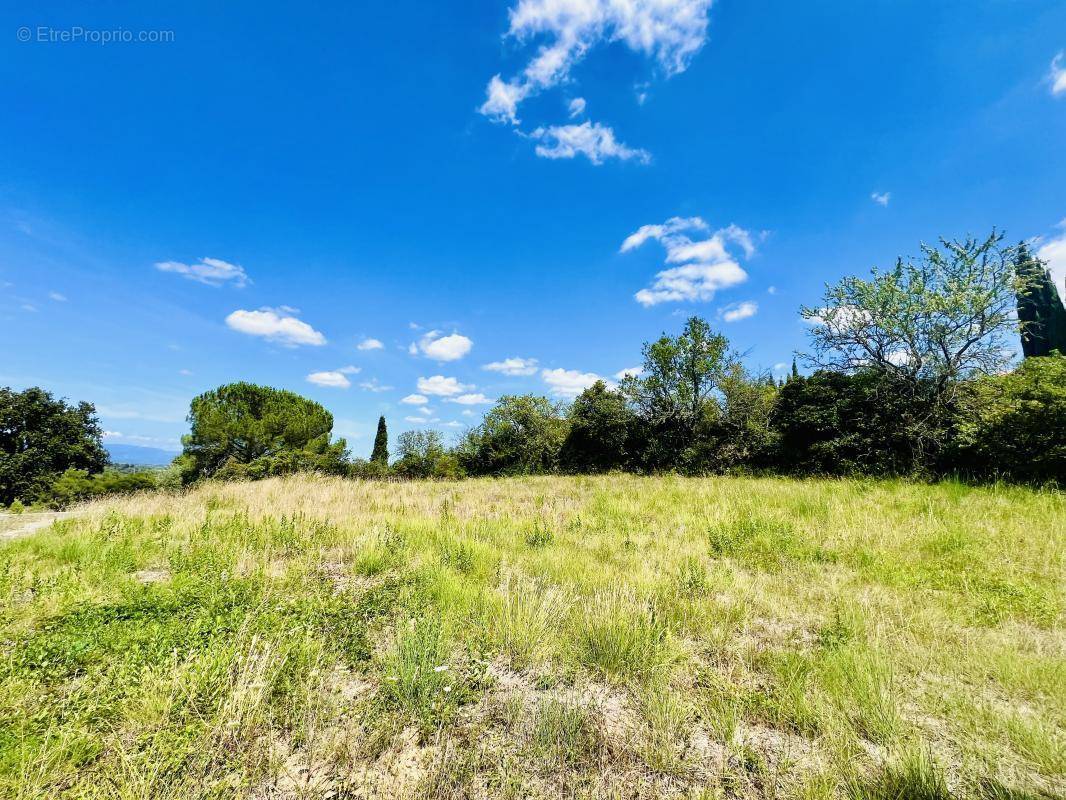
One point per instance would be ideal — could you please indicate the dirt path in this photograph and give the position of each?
(15, 526)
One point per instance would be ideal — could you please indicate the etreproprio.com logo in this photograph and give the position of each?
(76, 34)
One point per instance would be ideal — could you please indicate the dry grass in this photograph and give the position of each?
(545, 637)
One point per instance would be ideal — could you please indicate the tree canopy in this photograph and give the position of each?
(944, 316)
(380, 453)
(40, 438)
(245, 430)
(1040, 310)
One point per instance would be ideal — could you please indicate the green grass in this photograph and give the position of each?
(544, 637)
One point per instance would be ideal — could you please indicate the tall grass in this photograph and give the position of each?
(586, 637)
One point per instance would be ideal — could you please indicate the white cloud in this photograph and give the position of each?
(590, 139)
(1058, 76)
(370, 344)
(212, 271)
(372, 385)
(513, 366)
(634, 371)
(1053, 252)
(881, 198)
(474, 399)
(421, 420)
(466, 412)
(670, 31)
(276, 325)
(415, 400)
(576, 107)
(568, 382)
(59, 298)
(705, 264)
(441, 348)
(333, 378)
(502, 99)
(841, 319)
(691, 282)
(771, 290)
(454, 424)
(440, 386)
(185, 372)
(738, 311)
(780, 366)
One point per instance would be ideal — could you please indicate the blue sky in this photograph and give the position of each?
(537, 186)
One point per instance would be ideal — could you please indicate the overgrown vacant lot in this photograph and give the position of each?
(547, 637)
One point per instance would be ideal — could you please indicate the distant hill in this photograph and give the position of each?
(134, 454)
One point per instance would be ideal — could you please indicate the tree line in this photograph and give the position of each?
(908, 375)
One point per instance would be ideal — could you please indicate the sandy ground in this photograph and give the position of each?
(14, 526)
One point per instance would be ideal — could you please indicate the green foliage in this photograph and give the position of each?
(242, 430)
(602, 433)
(741, 433)
(677, 390)
(74, 486)
(1014, 425)
(521, 435)
(422, 454)
(936, 320)
(40, 438)
(380, 453)
(832, 423)
(1040, 310)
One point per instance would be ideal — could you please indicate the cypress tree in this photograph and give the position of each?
(380, 454)
(795, 372)
(1040, 310)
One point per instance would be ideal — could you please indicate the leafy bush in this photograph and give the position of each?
(422, 454)
(76, 485)
(521, 435)
(833, 423)
(1014, 425)
(602, 432)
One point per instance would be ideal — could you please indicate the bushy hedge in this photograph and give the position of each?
(76, 485)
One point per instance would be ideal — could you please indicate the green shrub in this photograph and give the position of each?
(76, 485)
(1014, 425)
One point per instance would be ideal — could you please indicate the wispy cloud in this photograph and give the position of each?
(1057, 77)
(212, 271)
(373, 385)
(276, 325)
(370, 344)
(1053, 252)
(59, 298)
(705, 263)
(881, 198)
(590, 139)
(513, 366)
(669, 31)
(576, 107)
(437, 346)
(415, 400)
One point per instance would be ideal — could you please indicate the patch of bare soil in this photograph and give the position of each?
(15, 526)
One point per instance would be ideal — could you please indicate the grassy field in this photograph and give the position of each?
(544, 637)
